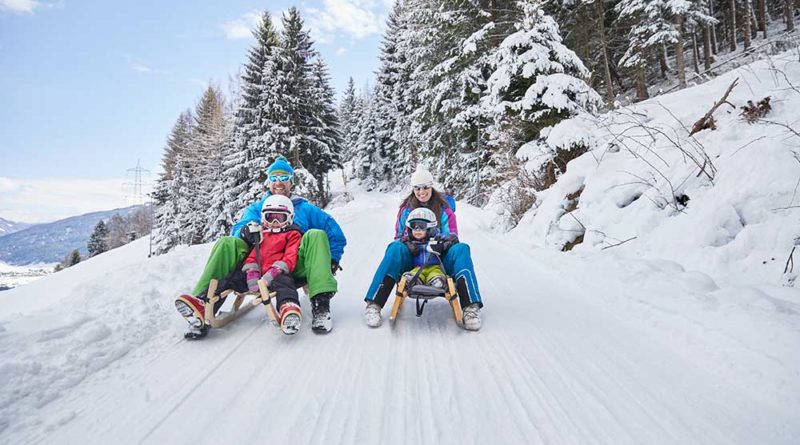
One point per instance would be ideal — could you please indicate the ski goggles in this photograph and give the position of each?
(281, 178)
(419, 224)
(421, 187)
(275, 217)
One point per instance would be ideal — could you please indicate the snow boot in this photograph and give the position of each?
(290, 318)
(472, 317)
(192, 310)
(372, 315)
(321, 313)
(438, 282)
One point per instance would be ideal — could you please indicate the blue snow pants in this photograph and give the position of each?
(457, 264)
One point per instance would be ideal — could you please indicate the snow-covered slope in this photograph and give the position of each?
(8, 227)
(51, 242)
(576, 348)
(724, 202)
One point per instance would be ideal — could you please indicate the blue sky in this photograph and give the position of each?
(88, 88)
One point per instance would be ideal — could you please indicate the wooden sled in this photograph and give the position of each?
(421, 292)
(239, 306)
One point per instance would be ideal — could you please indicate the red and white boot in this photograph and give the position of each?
(290, 318)
(192, 309)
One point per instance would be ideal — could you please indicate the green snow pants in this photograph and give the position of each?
(313, 262)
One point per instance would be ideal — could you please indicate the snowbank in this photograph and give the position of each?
(724, 202)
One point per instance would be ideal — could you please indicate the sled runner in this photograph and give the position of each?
(422, 293)
(239, 306)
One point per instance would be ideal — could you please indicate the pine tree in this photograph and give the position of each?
(348, 118)
(166, 196)
(536, 83)
(97, 241)
(74, 258)
(322, 130)
(252, 148)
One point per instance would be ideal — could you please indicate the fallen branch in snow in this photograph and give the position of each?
(780, 125)
(707, 121)
(620, 243)
(789, 261)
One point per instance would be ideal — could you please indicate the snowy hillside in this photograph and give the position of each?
(51, 242)
(723, 202)
(576, 348)
(8, 227)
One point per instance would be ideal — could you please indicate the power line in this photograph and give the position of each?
(137, 196)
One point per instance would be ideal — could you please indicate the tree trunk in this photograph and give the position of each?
(641, 86)
(762, 17)
(707, 57)
(746, 25)
(695, 52)
(732, 25)
(679, 60)
(714, 45)
(788, 14)
(662, 61)
(607, 69)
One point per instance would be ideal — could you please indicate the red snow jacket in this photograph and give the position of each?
(276, 248)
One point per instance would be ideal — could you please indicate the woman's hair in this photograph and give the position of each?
(437, 203)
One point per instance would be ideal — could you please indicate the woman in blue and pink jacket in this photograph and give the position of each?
(397, 259)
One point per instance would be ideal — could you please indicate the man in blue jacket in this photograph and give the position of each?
(321, 249)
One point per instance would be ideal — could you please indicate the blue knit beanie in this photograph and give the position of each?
(281, 166)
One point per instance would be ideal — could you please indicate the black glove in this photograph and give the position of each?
(335, 267)
(251, 233)
(435, 247)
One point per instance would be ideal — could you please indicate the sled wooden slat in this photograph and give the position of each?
(454, 303)
(265, 296)
(400, 296)
(212, 299)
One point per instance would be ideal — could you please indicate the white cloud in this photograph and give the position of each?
(241, 28)
(46, 200)
(354, 18)
(341, 51)
(140, 66)
(19, 6)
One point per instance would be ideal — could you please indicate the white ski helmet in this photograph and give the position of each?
(422, 217)
(277, 208)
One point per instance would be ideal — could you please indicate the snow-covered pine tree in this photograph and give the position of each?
(391, 151)
(367, 144)
(206, 150)
(97, 241)
(252, 149)
(166, 230)
(536, 82)
(348, 119)
(291, 87)
(659, 24)
(322, 130)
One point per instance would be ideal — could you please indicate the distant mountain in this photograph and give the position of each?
(8, 227)
(51, 242)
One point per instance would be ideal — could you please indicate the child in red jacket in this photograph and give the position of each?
(275, 258)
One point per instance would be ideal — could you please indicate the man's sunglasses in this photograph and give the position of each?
(421, 187)
(281, 178)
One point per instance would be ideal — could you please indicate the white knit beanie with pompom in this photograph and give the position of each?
(421, 177)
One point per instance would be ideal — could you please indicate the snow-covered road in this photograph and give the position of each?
(577, 348)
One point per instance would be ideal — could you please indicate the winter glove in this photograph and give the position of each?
(335, 267)
(252, 280)
(251, 233)
(272, 273)
(435, 247)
